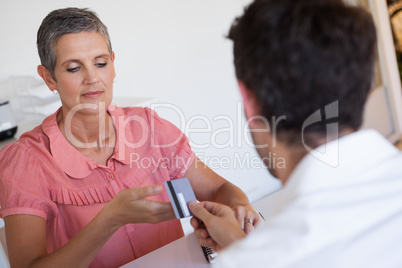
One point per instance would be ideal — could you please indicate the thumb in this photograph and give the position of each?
(199, 211)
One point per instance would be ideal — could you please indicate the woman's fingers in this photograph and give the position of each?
(247, 218)
(159, 211)
(132, 206)
(248, 225)
(142, 192)
(240, 214)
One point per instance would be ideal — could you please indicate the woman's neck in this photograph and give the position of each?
(87, 131)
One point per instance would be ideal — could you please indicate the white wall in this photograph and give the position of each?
(173, 50)
(162, 47)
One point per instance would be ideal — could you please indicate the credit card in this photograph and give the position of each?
(180, 194)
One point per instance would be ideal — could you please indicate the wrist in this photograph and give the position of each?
(108, 218)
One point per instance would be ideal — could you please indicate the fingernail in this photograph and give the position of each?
(192, 203)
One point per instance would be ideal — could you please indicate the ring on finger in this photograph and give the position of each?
(250, 221)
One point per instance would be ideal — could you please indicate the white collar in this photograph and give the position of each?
(356, 153)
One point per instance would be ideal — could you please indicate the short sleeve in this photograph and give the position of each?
(23, 187)
(172, 143)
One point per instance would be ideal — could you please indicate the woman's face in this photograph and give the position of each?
(84, 71)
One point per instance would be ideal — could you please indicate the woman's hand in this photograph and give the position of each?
(246, 217)
(215, 225)
(27, 234)
(131, 206)
(210, 186)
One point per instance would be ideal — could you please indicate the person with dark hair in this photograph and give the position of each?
(305, 69)
(84, 188)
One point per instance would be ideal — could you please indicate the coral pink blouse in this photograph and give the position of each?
(43, 175)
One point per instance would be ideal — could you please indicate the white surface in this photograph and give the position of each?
(40, 92)
(182, 253)
(186, 252)
(3, 263)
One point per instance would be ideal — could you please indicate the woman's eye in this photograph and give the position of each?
(100, 65)
(73, 70)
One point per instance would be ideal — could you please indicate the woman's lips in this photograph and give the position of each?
(92, 94)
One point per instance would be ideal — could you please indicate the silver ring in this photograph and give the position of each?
(248, 221)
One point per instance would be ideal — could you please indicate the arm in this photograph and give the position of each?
(209, 186)
(26, 235)
(26, 243)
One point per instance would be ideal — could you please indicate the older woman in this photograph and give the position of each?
(84, 188)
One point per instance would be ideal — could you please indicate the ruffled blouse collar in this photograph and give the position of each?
(68, 158)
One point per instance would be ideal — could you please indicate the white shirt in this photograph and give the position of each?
(344, 216)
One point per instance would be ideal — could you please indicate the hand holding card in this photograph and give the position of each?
(180, 194)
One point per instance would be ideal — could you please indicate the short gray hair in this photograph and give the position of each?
(64, 21)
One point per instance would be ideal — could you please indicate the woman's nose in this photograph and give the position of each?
(91, 76)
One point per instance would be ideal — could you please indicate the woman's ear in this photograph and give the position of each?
(47, 77)
(114, 70)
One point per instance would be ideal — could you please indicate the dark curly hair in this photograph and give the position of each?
(298, 56)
